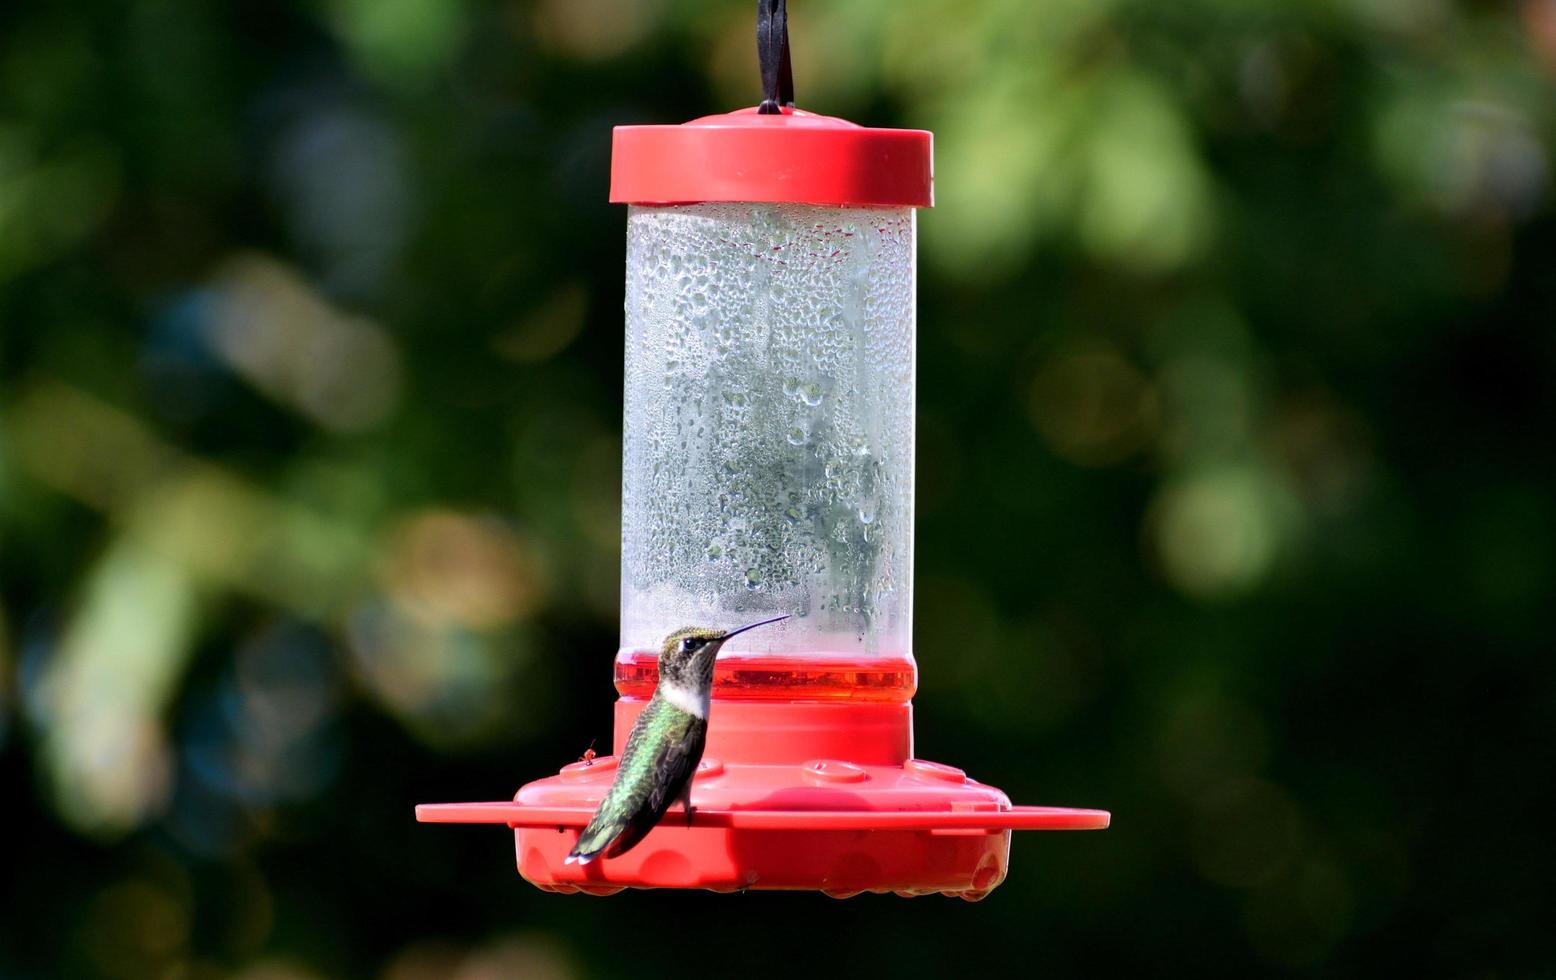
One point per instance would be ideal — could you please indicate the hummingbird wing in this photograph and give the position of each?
(673, 770)
(661, 755)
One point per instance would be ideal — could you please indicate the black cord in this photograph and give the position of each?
(772, 52)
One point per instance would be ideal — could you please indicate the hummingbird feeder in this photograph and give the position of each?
(767, 471)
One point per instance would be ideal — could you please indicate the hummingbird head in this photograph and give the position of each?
(686, 659)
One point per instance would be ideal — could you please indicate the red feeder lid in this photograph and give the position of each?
(791, 156)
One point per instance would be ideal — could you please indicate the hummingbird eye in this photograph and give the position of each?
(689, 644)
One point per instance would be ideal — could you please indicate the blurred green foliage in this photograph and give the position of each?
(1236, 505)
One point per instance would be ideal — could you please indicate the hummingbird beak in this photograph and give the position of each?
(775, 619)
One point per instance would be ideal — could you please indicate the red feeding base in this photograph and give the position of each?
(789, 795)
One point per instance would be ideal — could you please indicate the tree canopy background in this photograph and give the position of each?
(1235, 502)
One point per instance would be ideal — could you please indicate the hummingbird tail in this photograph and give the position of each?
(600, 834)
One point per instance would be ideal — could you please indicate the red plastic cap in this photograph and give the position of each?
(791, 156)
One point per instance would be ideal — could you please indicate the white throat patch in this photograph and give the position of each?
(684, 699)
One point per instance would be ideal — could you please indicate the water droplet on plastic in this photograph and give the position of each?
(797, 436)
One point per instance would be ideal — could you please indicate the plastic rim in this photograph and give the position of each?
(517, 815)
(792, 157)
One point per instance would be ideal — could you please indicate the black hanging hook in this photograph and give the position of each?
(772, 53)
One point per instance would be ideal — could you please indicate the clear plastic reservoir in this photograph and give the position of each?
(768, 447)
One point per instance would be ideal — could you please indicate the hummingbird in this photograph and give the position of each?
(664, 747)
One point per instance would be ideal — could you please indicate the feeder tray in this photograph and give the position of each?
(826, 798)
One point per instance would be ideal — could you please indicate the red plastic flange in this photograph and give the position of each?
(788, 796)
(791, 156)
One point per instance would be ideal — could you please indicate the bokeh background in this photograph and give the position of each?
(1236, 481)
